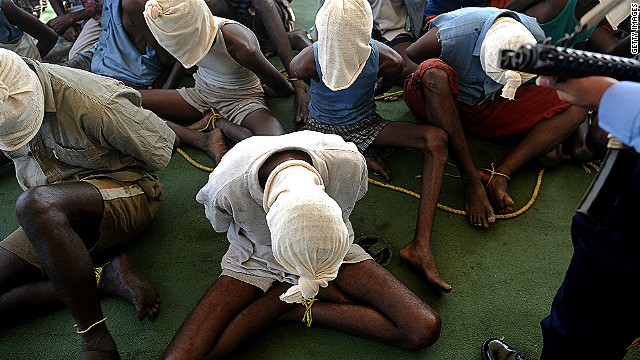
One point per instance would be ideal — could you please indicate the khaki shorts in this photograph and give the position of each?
(129, 208)
(233, 104)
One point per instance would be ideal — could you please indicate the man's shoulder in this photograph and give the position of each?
(234, 33)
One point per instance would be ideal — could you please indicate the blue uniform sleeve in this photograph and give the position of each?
(619, 113)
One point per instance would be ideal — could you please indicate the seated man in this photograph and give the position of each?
(89, 16)
(343, 67)
(285, 202)
(230, 69)
(557, 17)
(14, 22)
(389, 27)
(272, 23)
(390, 20)
(460, 88)
(125, 50)
(85, 153)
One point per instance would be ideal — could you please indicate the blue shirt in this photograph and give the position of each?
(115, 55)
(437, 7)
(461, 35)
(9, 33)
(350, 105)
(619, 113)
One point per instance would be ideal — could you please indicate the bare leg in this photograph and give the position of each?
(432, 142)
(24, 291)
(269, 14)
(409, 66)
(225, 317)
(259, 122)
(62, 221)
(442, 112)
(210, 142)
(385, 309)
(542, 138)
(298, 39)
(168, 104)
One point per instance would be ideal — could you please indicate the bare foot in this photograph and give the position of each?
(377, 165)
(479, 210)
(422, 260)
(497, 191)
(98, 344)
(121, 278)
(216, 147)
(301, 102)
(203, 124)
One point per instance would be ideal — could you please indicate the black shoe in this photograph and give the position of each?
(494, 349)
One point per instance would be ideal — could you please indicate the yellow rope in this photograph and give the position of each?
(392, 96)
(193, 162)
(286, 76)
(493, 171)
(634, 343)
(89, 328)
(526, 207)
(98, 272)
(215, 115)
(307, 312)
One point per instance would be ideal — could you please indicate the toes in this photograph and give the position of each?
(445, 288)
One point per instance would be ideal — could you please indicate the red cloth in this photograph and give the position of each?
(498, 118)
(498, 3)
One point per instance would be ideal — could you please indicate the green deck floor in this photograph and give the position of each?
(504, 278)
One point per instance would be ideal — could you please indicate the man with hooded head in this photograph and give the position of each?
(343, 67)
(85, 153)
(231, 71)
(284, 202)
(460, 87)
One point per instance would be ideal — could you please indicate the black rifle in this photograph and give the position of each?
(543, 59)
(563, 63)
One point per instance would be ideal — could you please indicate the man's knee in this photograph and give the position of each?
(435, 80)
(435, 141)
(426, 331)
(35, 204)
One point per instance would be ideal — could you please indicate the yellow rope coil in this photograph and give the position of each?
(526, 207)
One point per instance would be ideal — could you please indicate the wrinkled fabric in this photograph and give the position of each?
(233, 198)
(21, 102)
(91, 127)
